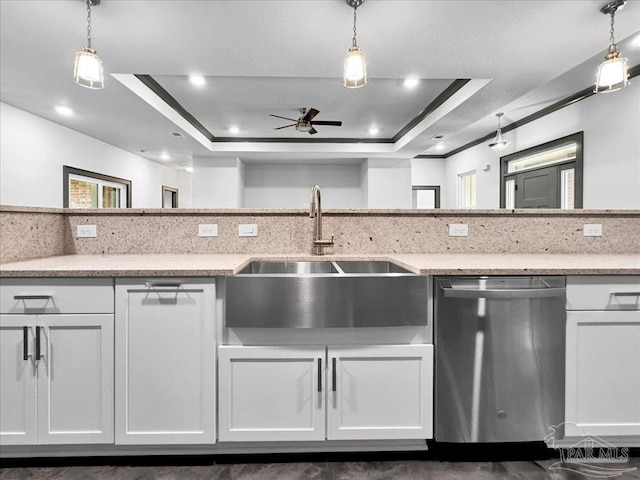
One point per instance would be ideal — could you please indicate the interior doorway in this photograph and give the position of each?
(169, 197)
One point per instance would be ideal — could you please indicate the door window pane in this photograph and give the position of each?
(567, 188)
(467, 190)
(547, 157)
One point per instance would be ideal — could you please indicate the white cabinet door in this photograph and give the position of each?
(380, 392)
(603, 373)
(271, 393)
(75, 379)
(165, 362)
(17, 380)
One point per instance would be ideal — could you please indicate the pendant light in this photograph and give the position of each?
(355, 64)
(88, 71)
(613, 73)
(498, 143)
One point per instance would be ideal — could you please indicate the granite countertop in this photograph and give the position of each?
(196, 265)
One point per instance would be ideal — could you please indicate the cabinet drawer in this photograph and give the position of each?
(56, 295)
(603, 292)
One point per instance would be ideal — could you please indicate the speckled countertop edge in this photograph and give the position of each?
(195, 265)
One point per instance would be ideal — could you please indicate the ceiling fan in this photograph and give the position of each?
(305, 123)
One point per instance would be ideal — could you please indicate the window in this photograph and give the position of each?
(544, 176)
(426, 196)
(467, 190)
(84, 189)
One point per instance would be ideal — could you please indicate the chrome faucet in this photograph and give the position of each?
(316, 212)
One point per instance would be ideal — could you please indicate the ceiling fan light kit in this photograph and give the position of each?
(499, 143)
(88, 70)
(355, 73)
(613, 73)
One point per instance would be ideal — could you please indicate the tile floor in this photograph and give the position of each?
(317, 467)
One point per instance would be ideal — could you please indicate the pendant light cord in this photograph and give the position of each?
(354, 26)
(88, 23)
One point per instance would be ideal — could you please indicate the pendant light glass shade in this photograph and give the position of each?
(355, 68)
(499, 143)
(88, 71)
(612, 74)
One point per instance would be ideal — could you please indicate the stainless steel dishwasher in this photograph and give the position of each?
(500, 349)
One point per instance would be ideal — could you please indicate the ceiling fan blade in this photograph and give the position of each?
(310, 114)
(286, 126)
(285, 118)
(313, 131)
(328, 122)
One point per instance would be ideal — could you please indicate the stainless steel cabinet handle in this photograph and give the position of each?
(162, 284)
(333, 375)
(38, 351)
(506, 293)
(32, 297)
(25, 343)
(625, 294)
(319, 375)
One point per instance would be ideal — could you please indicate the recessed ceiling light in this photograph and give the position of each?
(439, 146)
(176, 134)
(411, 82)
(374, 131)
(234, 130)
(62, 110)
(165, 156)
(437, 137)
(197, 80)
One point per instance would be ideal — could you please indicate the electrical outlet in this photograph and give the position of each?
(592, 230)
(205, 230)
(248, 230)
(86, 231)
(458, 230)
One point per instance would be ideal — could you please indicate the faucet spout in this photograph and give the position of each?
(315, 211)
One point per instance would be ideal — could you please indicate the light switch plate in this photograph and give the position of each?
(208, 230)
(248, 230)
(458, 230)
(592, 229)
(86, 231)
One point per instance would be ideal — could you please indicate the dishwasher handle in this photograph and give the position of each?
(503, 293)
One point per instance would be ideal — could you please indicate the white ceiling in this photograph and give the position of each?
(274, 56)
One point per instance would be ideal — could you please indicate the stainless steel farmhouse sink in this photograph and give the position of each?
(325, 294)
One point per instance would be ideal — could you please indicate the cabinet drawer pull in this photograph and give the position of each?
(319, 375)
(32, 297)
(162, 284)
(625, 294)
(38, 352)
(333, 375)
(25, 343)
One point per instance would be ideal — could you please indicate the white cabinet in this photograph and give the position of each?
(56, 370)
(380, 392)
(603, 356)
(358, 392)
(165, 361)
(271, 393)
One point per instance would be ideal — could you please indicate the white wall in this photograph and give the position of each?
(611, 125)
(217, 182)
(388, 183)
(184, 189)
(33, 151)
(289, 186)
